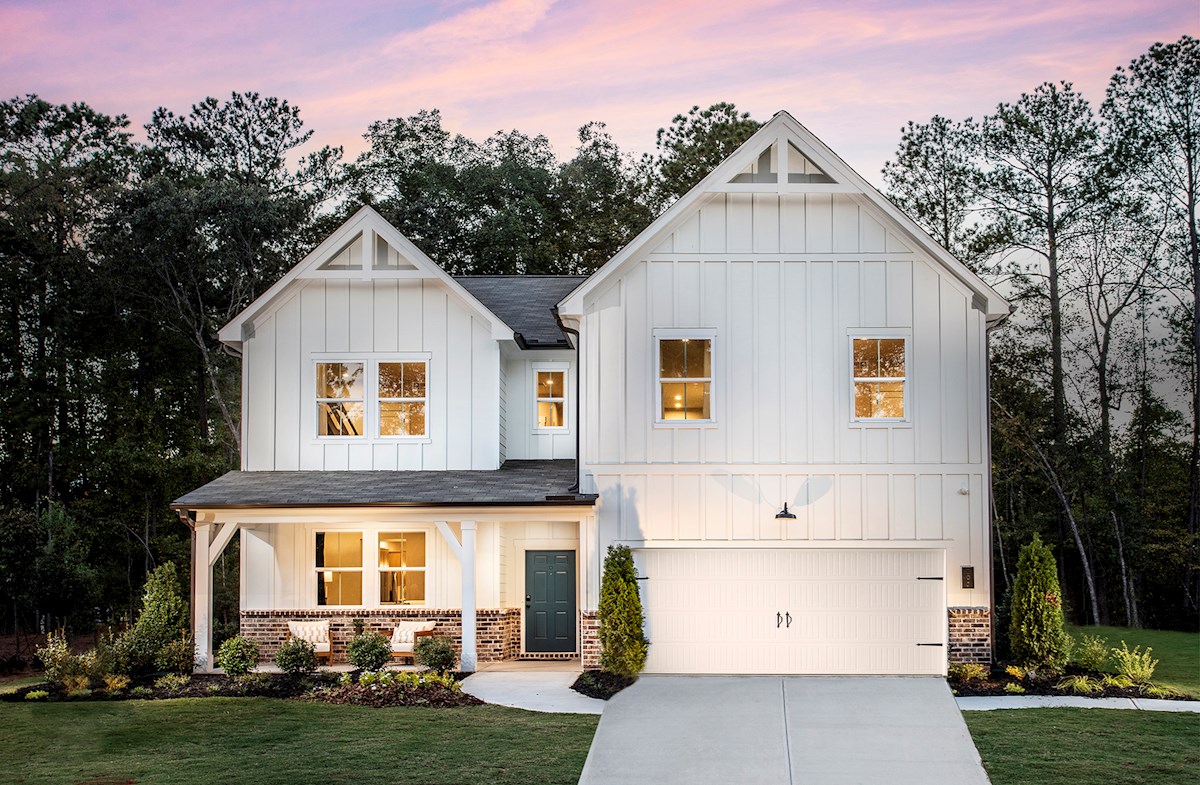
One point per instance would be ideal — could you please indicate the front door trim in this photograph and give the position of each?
(562, 604)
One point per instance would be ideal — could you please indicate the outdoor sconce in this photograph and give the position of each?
(784, 515)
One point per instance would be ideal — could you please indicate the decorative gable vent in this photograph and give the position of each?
(765, 168)
(350, 257)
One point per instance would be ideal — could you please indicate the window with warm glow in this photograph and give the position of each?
(879, 378)
(402, 398)
(339, 568)
(685, 378)
(340, 390)
(551, 393)
(402, 568)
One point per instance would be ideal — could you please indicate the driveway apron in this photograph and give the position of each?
(783, 730)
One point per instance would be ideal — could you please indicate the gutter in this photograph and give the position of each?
(573, 500)
(578, 373)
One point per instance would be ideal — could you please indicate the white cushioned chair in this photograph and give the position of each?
(406, 635)
(316, 633)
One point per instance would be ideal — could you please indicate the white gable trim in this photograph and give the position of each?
(369, 224)
(781, 129)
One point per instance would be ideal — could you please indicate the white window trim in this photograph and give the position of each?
(881, 333)
(316, 572)
(371, 408)
(700, 333)
(565, 368)
(379, 571)
(370, 569)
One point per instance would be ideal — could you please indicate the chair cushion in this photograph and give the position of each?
(321, 647)
(405, 631)
(402, 648)
(312, 631)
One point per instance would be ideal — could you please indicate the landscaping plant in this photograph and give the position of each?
(177, 656)
(623, 644)
(57, 659)
(162, 621)
(1036, 635)
(297, 657)
(1090, 653)
(1134, 664)
(435, 653)
(369, 651)
(238, 656)
(967, 671)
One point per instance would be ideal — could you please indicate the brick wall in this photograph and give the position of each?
(589, 639)
(497, 630)
(970, 635)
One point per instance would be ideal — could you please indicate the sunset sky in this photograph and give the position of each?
(852, 71)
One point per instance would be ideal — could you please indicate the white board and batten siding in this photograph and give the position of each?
(380, 319)
(524, 440)
(786, 280)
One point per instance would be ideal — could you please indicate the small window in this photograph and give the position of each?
(685, 378)
(402, 398)
(402, 568)
(879, 378)
(551, 394)
(339, 568)
(340, 399)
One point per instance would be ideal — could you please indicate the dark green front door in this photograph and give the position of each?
(549, 601)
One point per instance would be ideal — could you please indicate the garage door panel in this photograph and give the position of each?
(851, 611)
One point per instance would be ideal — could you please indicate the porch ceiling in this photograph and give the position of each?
(514, 483)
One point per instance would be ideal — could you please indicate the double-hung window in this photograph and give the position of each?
(550, 396)
(339, 565)
(879, 378)
(403, 398)
(685, 376)
(402, 568)
(366, 398)
(340, 398)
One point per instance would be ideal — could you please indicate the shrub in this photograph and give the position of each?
(142, 692)
(1017, 672)
(296, 656)
(76, 683)
(82, 692)
(115, 682)
(1155, 691)
(436, 653)
(177, 656)
(172, 682)
(1121, 682)
(57, 659)
(163, 619)
(369, 651)
(113, 654)
(1036, 634)
(1080, 685)
(967, 671)
(238, 656)
(1091, 653)
(1014, 689)
(36, 695)
(623, 643)
(1135, 665)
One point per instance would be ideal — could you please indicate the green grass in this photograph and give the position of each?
(274, 742)
(16, 683)
(1178, 653)
(1087, 746)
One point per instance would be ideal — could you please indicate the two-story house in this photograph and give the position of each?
(776, 395)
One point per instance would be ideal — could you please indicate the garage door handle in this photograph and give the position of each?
(789, 620)
(935, 578)
(778, 619)
(930, 644)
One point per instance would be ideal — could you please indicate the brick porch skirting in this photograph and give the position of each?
(589, 639)
(970, 635)
(497, 630)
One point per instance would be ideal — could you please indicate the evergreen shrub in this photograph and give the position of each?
(1036, 635)
(435, 653)
(623, 644)
(297, 657)
(238, 656)
(369, 651)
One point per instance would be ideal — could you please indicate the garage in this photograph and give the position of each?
(801, 611)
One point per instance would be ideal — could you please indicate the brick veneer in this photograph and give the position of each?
(497, 630)
(970, 635)
(589, 639)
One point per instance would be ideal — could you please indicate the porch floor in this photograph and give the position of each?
(531, 666)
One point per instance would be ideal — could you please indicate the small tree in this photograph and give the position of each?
(163, 620)
(623, 643)
(1036, 634)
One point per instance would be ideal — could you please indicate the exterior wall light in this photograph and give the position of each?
(784, 515)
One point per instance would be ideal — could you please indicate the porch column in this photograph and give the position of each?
(468, 596)
(202, 594)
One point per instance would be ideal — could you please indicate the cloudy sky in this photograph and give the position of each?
(851, 70)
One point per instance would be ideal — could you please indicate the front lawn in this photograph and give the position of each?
(1178, 653)
(261, 741)
(1087, 746)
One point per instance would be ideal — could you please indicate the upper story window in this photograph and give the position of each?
(340, 400)
(339, 565)
(402, 568)
(879, 378)
(550, 395)
(685, 377)
(402, 398)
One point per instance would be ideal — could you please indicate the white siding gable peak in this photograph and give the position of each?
(784, 157)
(365, 247)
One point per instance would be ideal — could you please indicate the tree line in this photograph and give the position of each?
(120, 260)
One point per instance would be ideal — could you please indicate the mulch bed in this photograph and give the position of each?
(379, 696)
(601, 684)
(204, 685)
(994, 685)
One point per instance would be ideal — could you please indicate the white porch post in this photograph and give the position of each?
(202, 594)
(468, 596)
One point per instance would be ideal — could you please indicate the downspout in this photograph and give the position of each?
(578, 372)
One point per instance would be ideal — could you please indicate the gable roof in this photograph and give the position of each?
(526, 304)
(333, 259)
(823, 172)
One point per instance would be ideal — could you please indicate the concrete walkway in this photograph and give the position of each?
(994, 702)
(783, 730)
(536, 689)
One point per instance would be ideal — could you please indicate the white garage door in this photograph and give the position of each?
(795, 611)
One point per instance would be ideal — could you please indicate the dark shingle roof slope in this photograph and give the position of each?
(524, 303)
(514, 483)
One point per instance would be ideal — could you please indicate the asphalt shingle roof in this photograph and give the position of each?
(524, 302)
(514, 483)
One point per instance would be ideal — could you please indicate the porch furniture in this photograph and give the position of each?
(317, 633)
(405, 637)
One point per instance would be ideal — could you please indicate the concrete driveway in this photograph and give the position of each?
(784, 730)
